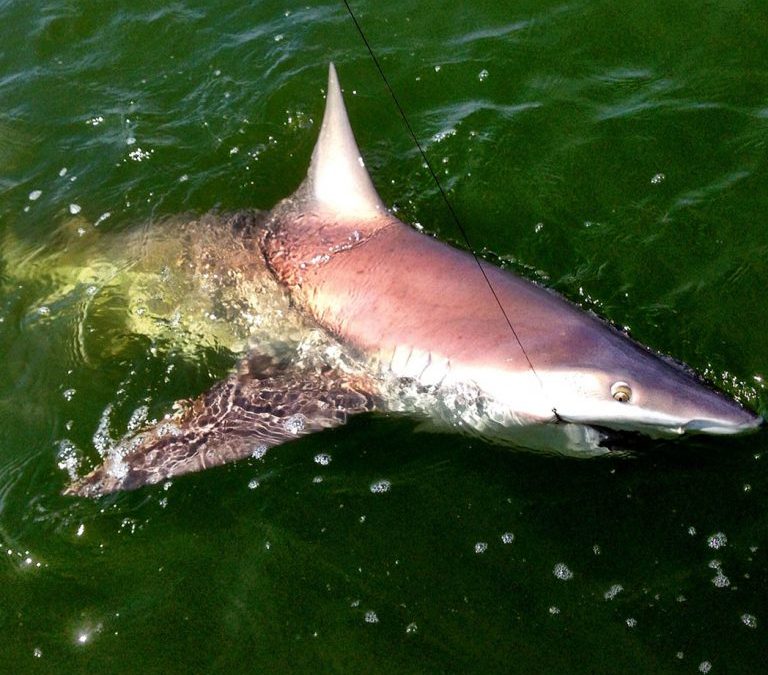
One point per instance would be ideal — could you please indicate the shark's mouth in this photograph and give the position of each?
(624, 442)
(631, 442)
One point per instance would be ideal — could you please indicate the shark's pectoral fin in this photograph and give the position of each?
(264, 404)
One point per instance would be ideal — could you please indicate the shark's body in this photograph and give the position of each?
(421, 327)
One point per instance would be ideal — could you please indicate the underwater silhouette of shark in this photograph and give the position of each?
(406, 323)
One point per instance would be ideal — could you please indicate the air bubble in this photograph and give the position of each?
(717, 540)
(68, 458)
(294, 424)
(481, 547)
(139, 155)
(371, 617)
(138, 418)
(562, 572)
(380, 486)
(613, 591)
(749, 620)
(507, 538)
(323, 459)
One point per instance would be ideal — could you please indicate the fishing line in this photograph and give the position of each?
(442, 192)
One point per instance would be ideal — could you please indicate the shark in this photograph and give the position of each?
(404, 323)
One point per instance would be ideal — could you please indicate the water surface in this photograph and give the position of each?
(613, 151)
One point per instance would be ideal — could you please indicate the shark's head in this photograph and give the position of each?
(618, 384)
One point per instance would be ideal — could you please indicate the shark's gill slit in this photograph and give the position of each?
(444, 196)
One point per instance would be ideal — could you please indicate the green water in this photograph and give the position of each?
(615, 151)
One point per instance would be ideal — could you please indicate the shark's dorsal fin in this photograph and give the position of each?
(338, 181)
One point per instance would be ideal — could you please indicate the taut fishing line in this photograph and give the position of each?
(442, 192)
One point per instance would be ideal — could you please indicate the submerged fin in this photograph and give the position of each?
(263, 405)
(337, 180)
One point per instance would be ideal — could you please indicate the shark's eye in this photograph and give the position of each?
(621, 392)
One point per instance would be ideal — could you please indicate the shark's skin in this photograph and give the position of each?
(422, 330)
(423, 310)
